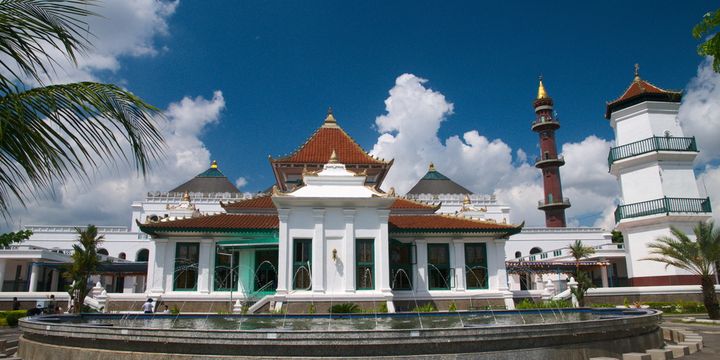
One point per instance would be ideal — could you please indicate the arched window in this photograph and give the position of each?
(535, 250)
(122, 255)
(102, 251)
(518, 254)
(142, 255)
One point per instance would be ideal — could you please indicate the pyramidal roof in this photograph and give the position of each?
(641, 90)
(330, 136)
(211, 180)
(436, 183)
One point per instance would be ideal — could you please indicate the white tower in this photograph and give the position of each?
(653, 162)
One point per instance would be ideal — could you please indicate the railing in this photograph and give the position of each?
(655, 143)
(663, 206)
(564, 201)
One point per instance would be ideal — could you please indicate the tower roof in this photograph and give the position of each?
(211, 180)
(326, 139)
(639, 91)
(436, 183)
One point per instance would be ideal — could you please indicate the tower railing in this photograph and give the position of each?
(655, 143)
(663, 205)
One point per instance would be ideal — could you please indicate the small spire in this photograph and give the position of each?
(330, 119)
(213, 165)
(542, 94)
(333, 158)
(637, 72)
(431, 167)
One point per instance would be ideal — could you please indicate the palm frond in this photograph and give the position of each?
(56, 132)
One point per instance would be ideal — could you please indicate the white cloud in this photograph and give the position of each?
(124, 28)
(409, 134)
(241, 182)
(700, 112)
(106, 199)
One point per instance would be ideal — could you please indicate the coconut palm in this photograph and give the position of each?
(84, 263)
(49, 134)
(697, 257)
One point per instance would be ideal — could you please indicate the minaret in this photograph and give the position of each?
(545, 124)
(653, 162)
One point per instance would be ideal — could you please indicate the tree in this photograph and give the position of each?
(580, 251)
(709, 26)
(49, 134)
(697, 257)
(84, 263)
(14, 237)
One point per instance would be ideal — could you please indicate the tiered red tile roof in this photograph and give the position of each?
(638, 90)
(436, 222)
(214, 223)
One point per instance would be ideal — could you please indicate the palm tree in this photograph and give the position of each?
(49, 134)
(584, 282)
(579, 251)
(697, 257)
(84, 263)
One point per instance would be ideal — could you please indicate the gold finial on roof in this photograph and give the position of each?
(330, 119)
(186, 196)
(213, 165)
(333, 158)
(637, 72)
(431, 167)
(542, 94)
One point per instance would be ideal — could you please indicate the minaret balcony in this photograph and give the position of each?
(554, 203)
(544, 123)
(541, 163)
(653, 144)
(665, 205)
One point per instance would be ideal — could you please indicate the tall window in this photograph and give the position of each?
(401, 265)
(186, 266)
(365, 264)
(476, 274)
(302, 264)
(439, 266)
(225, 276)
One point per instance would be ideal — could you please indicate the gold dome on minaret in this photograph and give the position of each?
(542, 94)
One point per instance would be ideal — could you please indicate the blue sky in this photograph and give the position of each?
(243, 80)
(280, 64)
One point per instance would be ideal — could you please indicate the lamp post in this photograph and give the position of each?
(231, 276)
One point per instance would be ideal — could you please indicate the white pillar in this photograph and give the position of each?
(156, 266)
(54, 280)
(34, 274)
(459, 265)
(284, 248)
(204, 265)
(3, 262)
(318, 251)
(382, 263)
(349, 215)
(420, 282)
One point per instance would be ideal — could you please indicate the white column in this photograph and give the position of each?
(382, 261)
(3, 263)
(500, 270)
(318, 251)
(204, 265)
(156, 266)
(34, 274)
(460, 281)
(284, 249)
(420, 276)
(349, 251)
(54, 280)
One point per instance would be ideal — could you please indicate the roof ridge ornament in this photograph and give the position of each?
(542, 94)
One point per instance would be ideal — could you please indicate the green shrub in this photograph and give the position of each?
(452, 307)
(427, 307)
(345, 308)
